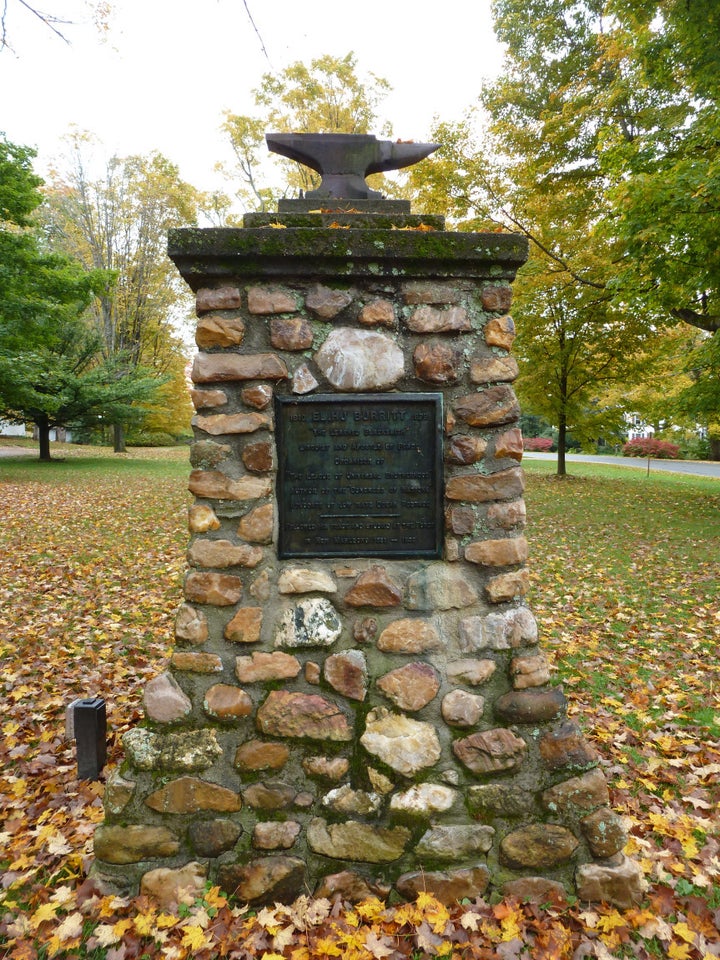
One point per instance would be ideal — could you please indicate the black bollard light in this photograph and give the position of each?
(87, 723)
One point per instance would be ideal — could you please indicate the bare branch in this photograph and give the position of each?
(250, 18)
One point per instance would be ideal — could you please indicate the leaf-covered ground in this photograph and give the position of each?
(626, 571)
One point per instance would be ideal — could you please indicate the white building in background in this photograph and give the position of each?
(12, 429)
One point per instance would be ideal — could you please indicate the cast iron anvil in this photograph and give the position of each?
(344, 160)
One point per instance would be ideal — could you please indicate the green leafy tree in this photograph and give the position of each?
(119, 223)
(328, 96)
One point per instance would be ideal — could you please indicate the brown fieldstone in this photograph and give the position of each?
(535, 890)
(134, 843)
(275, 835)
(258, 458)
(266, 666)
(169, 888)
(346, 800)
(357, 360)
(374, 588)
(497, 299)
(202, 399)
(531, 706)
(621, 884)
(472, 672)
(312, 672)
(462, 449)
(347, 673)
(210, 838)
(494, 370)
(290, 333)
(488, 408)
(498, 631)
(311, 623)
(223, 553)
(378, 313)
(364, 630)
(326, 768)
(205, 454)
(191, 624)
(349, 887)
(437, 362)
(229, 367)
(447, 886)
(303, 580)
(265, 880)
(302, 715)
(476, 488)
(500, 332)
(402, 743)
(118, 793)
(579, 795)
(218, 589)
(409, 635)
(213, 331)
(215, 485)
(260, 587)
(261, 755)
(566, 747)
(455, 841)
(327, 303)
(379, 782)
(412, 686)
(537, 846)
(352, 840)
(462, 709)
(225, 702)
(439, 587)
(422, 291)
(450, 422)
(604, 833)
(510, 445)
(258, 396)
(257, 525)
(202, 518)
(266, 300)
(529, 671)
(218, 424)
(490, 751)
(217, 298)
(303, 380)
(190, 794)
(164, 700)
(451, 550)
(507, 586)
(432, 320)
(245, 625)
(424, 800)
(272, 795)
(196, 662)
(500, 799)
(507, 515)
(460, 520)
(497, 553)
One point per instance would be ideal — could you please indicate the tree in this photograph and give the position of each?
(326, 97)
(55, 22)
(51, 371)
(119, 223)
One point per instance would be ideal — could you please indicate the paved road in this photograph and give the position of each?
(700, 468)
(17, 452)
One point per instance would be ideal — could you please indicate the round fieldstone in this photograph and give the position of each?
(257, 525)
(349, 886)
(303, 380)
(428, 319)
(190, 795)
(529, 671)
(211, 484)
(437, 363)
(448, 887)
(326, 768)
(566, 747)
(169, 888)
(215, 589)
(223, 553)
(290, 333)
(202, 518)
(302, 715)
(478, 488)
(347, 674)
(327, 303)
(507, 515)
(311, 623)
(622, 884)
(490, 751)
(191, 624)
(202, 399)
(346, 800)
(265, 880)
(269, 796)
(225, 702)
(206, 454)
(374, 588)
(261, 666)
(535, 890)
(500, 332)
(410, 687)
(498, 631)
(257, 458)
(494, 370)
(578, 794)
(258, 396)
(462, 449)
(304, 580)
(358, 360)
(377, 313)
(196, 662)
(164, 700)
(490, 407)
(538, 846)
(455, 841)
(402, 743)
(245, 625)
(275, 835)
(604, 833)
(210, 838)
(410, 635)
(472, 672)
(531, 706)
(131, 844)
(268, 300)
(261, 755)
(462, 709)
(424, 800)
(352, 840)
(219, 424)
(439, 587)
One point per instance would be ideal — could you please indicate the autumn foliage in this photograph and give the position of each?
(650, 447)
(625, 591)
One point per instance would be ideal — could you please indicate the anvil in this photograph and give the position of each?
(343, 160)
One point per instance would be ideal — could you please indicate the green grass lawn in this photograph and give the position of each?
(625, 586)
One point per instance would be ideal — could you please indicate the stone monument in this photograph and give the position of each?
(357, 701)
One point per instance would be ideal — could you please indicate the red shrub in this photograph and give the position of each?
(537, 444)
(650, 447)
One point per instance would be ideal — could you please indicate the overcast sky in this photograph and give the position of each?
(161, 76)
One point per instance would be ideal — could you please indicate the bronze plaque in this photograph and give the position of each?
(360, 475)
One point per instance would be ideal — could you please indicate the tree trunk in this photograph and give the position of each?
(43, 426)
(118, 438)
(562, 439)
(715, 448)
